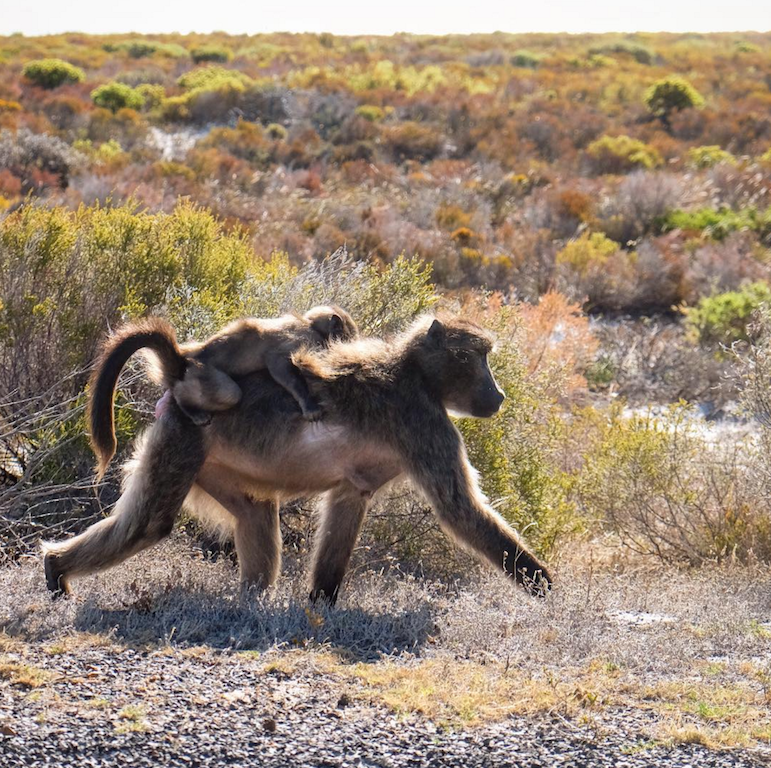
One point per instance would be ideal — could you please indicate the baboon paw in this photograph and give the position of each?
(322, 596)
(55, 581)
(537, 584)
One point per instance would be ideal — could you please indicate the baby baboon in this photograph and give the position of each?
(199, 373)
(386, 406)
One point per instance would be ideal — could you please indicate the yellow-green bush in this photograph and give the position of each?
(723, 318)
(212, 77)
(51, 73)
(589, 250)
(666, 492)
(671, 94)
(115, 96)
(707, 157)
(620, 154)
(65, 276)
(370, 112)
(211, 53)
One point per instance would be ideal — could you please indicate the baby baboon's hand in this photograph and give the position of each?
(312, 412)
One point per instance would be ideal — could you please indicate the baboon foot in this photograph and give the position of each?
(323, 596)
(198, 417)
(536, 583)
(55, 580)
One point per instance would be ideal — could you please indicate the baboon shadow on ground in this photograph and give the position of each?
(200, 618)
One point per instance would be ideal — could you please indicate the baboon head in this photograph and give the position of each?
(453, 355)
(332, 323)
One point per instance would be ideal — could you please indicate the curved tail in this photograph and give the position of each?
(151, 333)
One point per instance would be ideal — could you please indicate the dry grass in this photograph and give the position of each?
(684, 653)
(23, 675)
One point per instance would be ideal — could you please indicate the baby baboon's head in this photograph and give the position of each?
(332, 323)
(453, 355)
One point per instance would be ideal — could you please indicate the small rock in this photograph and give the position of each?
(269, 724)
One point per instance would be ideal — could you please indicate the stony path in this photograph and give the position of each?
(108, 706)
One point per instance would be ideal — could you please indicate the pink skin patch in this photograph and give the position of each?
(163, 404)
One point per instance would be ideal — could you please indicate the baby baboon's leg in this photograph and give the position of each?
(257, 531)
(171, 454)
(342, 513)
(284, 372)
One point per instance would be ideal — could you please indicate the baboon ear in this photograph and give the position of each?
(336, 326)
(436, 334)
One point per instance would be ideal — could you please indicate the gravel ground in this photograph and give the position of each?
(221, 708)
(160, 663)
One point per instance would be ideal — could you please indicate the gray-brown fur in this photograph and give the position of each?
(152, 333)
(255, 344)
(386, 406)
(199, 374)
(146, 510)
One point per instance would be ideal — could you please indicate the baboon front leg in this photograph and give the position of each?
(257, 531)
(342, 513)
(168, 458)
(284, 372)
(441, 469)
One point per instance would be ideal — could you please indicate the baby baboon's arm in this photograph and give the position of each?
(284, 372)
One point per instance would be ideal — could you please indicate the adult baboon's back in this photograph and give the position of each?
(387, 415)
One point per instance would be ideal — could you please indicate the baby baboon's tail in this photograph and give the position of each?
(151, 333)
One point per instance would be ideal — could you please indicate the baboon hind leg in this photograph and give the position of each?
(257, 532)
(258, 545)
(342, 514)
(170, 455)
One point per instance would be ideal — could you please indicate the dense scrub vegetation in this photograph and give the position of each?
(528, 180)
(485, 155)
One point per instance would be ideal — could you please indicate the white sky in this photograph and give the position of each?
(35, 17)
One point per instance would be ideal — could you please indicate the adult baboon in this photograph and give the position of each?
(199, 374)
(387, 405)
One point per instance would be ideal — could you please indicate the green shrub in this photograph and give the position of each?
(589, 250)
(718, 224)
(723, 318)
(707, 157)
(370, 112)
(638, 52)
(211, 53)
(766, 156)
(526, 59)
(620, 154)
(152, 95)
(141, 48)
(66, 275)
(652, 481)
(51, 73)
(276, 132)
(671, 95)
(213, 77)
(115, 96)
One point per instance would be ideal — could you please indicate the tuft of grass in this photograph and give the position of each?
(132, 719)
(23, 675)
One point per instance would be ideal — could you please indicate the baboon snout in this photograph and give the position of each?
(488, 402)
